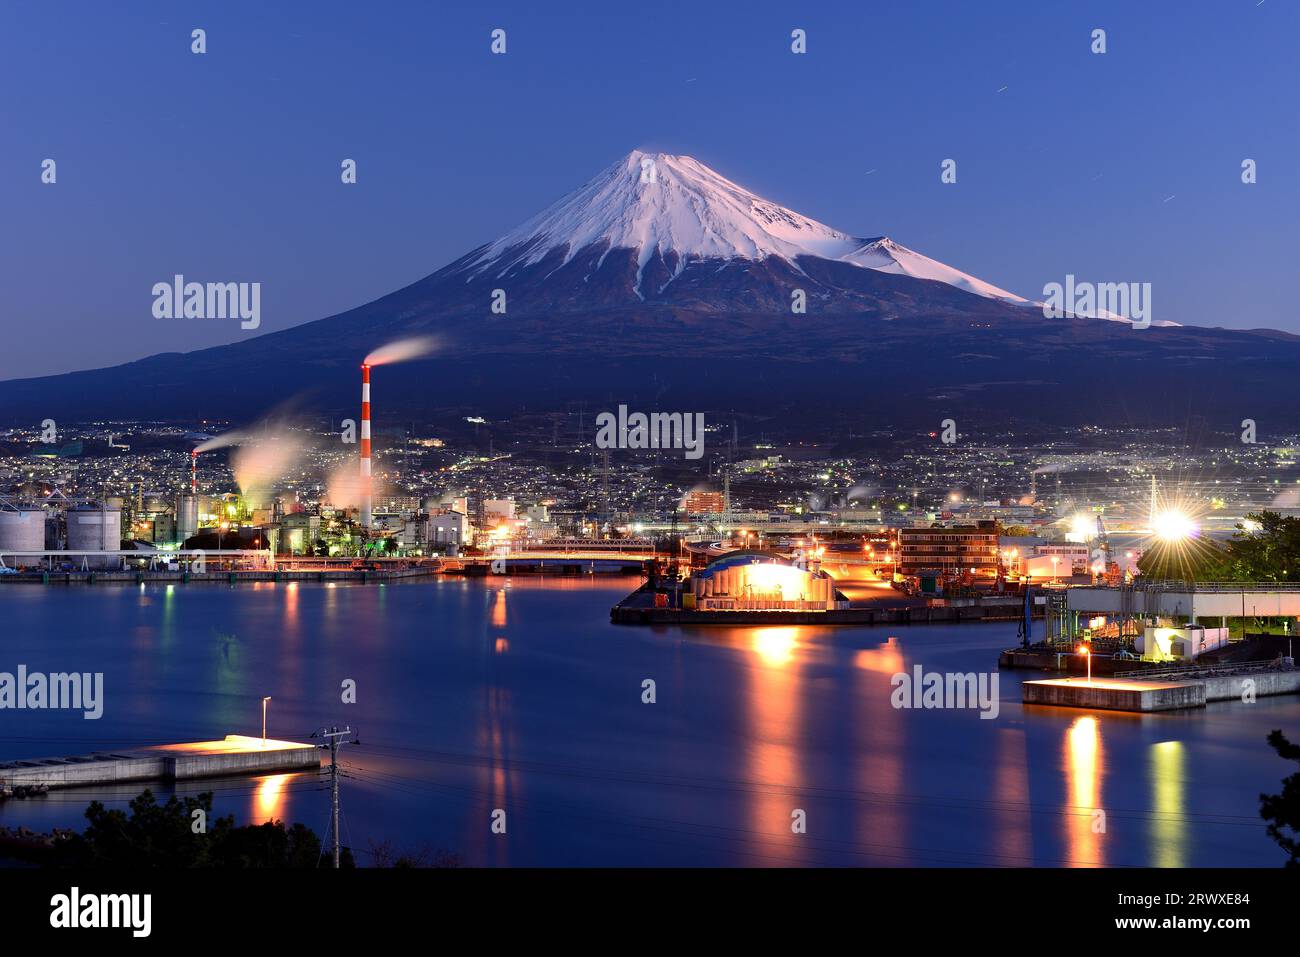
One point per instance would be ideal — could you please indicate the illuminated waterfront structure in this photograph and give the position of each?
(749, 580)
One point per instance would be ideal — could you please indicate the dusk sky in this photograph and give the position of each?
(1121, 167)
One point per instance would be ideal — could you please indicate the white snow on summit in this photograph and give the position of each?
(888, 256)
(658, 202)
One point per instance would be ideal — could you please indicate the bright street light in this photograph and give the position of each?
(1173, 526)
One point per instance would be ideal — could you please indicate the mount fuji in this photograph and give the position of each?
(663, 228)
(661, 282)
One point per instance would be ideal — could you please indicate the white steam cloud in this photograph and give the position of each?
(261, 462)
(344, 487)
(232, 437)
(402, 350)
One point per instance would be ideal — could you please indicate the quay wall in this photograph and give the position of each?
(1230, 687)
(245, 762)
(1164, 697)
(83, 771)
(149, 764)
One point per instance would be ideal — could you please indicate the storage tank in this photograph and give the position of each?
(187, 517)
(94, 528)
(22, 529)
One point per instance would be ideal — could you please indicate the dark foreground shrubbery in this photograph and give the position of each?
(174, 835)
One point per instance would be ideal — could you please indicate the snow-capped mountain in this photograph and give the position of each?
(676, 290)
(671, 213)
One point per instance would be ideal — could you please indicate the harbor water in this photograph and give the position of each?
(765, 745)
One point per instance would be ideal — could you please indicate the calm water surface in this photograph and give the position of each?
(476, 695)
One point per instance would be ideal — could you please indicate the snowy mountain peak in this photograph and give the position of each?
(885, 255)
(659, 203)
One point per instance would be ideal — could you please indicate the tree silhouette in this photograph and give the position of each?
(157, 835)
(1282, 811)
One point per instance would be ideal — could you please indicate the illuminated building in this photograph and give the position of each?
(703, 503)
(954, 550)
(752, 580)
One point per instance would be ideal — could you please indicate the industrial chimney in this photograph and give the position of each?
(366, 503)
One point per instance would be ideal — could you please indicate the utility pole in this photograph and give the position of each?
(677, 547)
(333, 735)
(604, 487)
(726, 500)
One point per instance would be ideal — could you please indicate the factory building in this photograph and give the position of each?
(448, 529)
(162, 528)
(299, 532)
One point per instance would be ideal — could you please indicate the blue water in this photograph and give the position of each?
(473, 696)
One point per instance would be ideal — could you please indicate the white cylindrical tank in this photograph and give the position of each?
(93, 529)
(22, 529)
(187, 517)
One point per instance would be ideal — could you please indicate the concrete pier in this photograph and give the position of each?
(235, 754)
(1151, 694)
(1115, 695)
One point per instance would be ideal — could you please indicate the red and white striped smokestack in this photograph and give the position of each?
(365, 447)
(194, 472)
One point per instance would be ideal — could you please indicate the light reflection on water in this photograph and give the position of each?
(269, 799)
(1169, 829)
(881, 744)
(473, 698)
(1084, 769)
(1013, 838)
(774, 763)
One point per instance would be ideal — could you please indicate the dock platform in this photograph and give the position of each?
(234, 754)
(638, 608)
(1154, 694)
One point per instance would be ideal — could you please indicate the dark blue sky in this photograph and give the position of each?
(225, 166)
